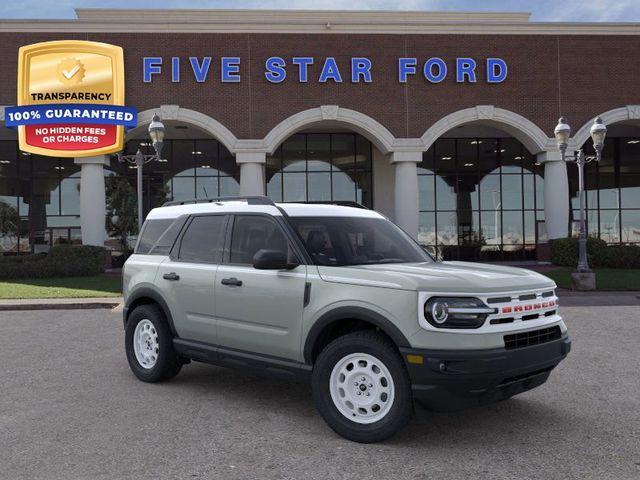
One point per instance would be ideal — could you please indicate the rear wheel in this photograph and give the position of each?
(149, 345)
(361, 387)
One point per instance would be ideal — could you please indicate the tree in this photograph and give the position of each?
(122, 210)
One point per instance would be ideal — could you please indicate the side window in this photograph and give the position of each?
(168, 238)
(151, 231)
(252, 233)
(203, 241)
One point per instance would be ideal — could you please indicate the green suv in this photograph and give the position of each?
(341, 297)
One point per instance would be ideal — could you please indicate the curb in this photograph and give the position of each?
(8, 307)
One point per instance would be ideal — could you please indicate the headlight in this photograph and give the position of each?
(452, 312)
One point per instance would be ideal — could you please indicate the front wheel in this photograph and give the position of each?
(149, 345)
(361, 387)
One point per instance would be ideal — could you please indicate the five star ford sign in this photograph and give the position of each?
(71, 99)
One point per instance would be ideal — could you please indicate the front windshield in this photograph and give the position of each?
(341, 241)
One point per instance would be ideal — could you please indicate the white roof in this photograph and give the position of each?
(240, 206)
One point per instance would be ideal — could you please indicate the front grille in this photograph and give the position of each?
(535, 337)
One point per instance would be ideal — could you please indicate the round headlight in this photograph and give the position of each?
(439, 311)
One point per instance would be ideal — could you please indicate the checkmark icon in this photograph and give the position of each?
(71, 73)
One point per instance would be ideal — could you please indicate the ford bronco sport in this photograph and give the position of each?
(340, 296)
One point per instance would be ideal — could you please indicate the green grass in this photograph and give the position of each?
(607, 279)
(68, 287)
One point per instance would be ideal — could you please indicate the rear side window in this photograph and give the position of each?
(203, 241)
(168, 238)
(151, 233)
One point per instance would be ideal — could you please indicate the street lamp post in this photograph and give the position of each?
(562, 133)
(156, 133)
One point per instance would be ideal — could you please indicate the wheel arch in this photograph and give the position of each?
(146, 296)
(331, 322)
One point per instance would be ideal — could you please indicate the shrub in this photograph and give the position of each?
(564, 252)
(61, 261)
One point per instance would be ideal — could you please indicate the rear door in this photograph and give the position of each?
(187, 277)
(259, 310)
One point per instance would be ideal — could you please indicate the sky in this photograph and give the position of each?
(542, 10)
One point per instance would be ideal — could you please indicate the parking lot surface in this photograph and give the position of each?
(71, 409)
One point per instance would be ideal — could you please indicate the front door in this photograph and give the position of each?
(187, 278)
(259, 310)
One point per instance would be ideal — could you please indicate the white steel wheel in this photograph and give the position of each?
(145, 344)
(361, 388)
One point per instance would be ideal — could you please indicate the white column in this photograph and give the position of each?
(556, 194)
(406, 190)
(251, 172)
(93, 209)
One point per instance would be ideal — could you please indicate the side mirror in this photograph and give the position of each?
(272, 260)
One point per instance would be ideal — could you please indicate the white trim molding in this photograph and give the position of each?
(373, 130)
(531, 136)
(622, 114)
(192, 117)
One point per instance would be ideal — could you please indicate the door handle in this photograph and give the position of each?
(231, 282)
(171, 276)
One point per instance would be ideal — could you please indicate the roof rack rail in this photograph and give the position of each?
(251, 200)
(342, 203)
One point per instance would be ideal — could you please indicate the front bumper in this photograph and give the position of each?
(448, 380)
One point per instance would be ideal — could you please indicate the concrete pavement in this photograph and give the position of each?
(71, 409)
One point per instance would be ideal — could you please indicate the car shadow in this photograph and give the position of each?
(512, 421)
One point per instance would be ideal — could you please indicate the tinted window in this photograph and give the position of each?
(339, 241)
(151, 232)
(203, 240)
(168, 238)
(252, 233)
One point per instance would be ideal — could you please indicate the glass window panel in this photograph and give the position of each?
(427, 228)
(68, 167)
(70, 196)
(44, 166)
(512, 228)
(295, 187)
(488, 155)
(8, 158)
(343, 187)
(630, 190)
(467, 192)
(445, 194)
(468, 227)
(62, 221)
(427, 192)
(364, 195)
(447, 228)
(342, 151)
(539, 192)
(183, 188)
(229, 187)
(491, 224)
(445, 156)
(426, 166)
(511, 156)
(44, 197)
(207, 187)
(610, 226)
(629, 155)
(203, 240)
(182, 163)
(512, 192)
(363, 153)
(490, 192)
(631, 226)
(254, 233)
(528, 191)
(273, 163)
(319, 152)
(274, 187)
(9, 221)
(206, 157)
(467, 154)
(293, 153)
(530, 227)
(227, 164)
(320, 186)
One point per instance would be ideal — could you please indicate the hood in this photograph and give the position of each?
(445, 277)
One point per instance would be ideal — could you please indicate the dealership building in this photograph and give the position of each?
(441, 121)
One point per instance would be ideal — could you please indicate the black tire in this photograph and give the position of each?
(167, 364)
(380, 347)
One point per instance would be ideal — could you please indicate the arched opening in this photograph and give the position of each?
(612, 187)
(480, 195)
(39, 199)
(194, 164)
